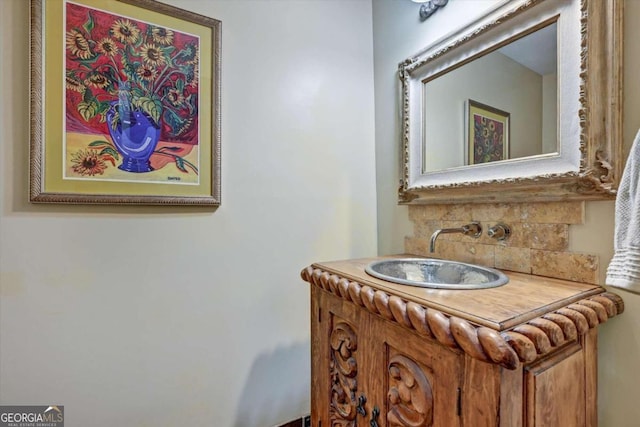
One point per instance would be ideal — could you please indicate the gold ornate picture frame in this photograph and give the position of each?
(125, 104)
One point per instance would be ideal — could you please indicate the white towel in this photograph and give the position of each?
(624, 269)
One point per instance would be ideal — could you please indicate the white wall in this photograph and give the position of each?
(177, 316)
(398, 33)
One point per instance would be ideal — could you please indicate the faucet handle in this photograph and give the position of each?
(499, 232)
(473, 229)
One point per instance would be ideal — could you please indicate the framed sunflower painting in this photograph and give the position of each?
(125, 104)
(487, 133)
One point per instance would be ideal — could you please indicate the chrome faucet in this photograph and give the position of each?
(474, 230)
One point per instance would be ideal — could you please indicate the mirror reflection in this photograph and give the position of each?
(499, 106)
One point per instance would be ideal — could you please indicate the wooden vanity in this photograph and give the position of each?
(523, 354)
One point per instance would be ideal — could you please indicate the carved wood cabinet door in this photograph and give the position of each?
(369, 372)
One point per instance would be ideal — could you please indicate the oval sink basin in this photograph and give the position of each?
(436, 273)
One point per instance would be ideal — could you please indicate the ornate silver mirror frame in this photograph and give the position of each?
(588, 163)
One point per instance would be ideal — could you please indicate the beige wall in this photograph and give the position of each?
(398, 33)
(176, 317)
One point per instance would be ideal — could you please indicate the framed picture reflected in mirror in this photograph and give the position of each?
(487, 133)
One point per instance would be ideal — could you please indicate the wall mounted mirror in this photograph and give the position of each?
(523, 104)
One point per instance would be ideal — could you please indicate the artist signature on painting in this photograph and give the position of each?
(173, 178)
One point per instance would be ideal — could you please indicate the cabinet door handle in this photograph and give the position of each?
(360, 408)
(374, 417)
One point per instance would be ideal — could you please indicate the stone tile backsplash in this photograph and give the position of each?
(538, 243)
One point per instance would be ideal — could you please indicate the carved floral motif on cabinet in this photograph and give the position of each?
(410, 396)
(343, 373)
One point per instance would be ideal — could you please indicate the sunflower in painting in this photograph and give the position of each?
(125, 31)
(162, 36)
(78, 44)
(88, 162)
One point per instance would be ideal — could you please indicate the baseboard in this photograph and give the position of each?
(300, 422)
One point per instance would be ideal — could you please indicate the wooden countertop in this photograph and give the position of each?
(525, 297)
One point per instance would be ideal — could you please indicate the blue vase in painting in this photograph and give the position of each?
(134, 133)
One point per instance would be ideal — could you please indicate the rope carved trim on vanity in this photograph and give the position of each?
(524, 343)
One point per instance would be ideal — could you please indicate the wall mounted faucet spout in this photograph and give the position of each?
(474, 230)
